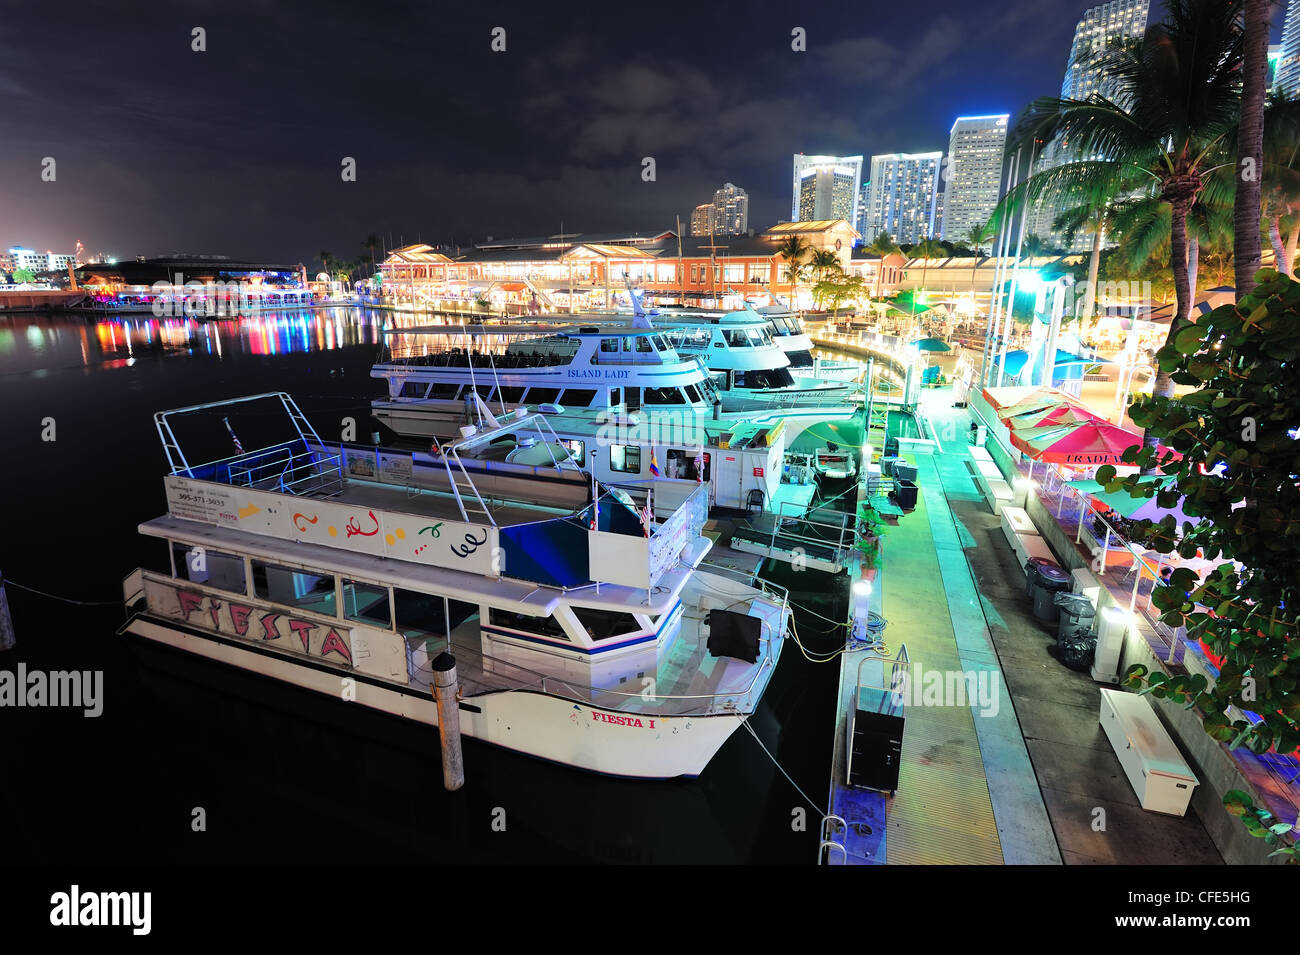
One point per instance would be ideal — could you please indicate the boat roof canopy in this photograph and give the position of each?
(604, 328)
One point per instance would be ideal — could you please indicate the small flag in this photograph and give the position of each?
(699, 466)
(646, 519)
(654, 463)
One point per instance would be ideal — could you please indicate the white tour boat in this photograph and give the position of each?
(592, 637)
(598, 366)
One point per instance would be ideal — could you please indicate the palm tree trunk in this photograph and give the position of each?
(1090, 293)
(1291, 241)
(1275, 238)
(1163, 386)
(1193, 263)
(1250, 151)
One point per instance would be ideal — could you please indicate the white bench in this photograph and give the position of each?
(915, 446)
(1021, 534)
(1155, 768)
(980, 454)
(995, 490)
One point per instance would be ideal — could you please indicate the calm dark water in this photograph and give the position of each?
(283, 775)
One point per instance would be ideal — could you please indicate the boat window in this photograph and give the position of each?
(609, 345)
(643, 343)
(366, 603)
(736, 337)
(511, 394)
(415, 389)
(543, 626)
(603, 624)
(615, 396)
(692, 394)
(444, 390)
(210, 567)
(419, 615)
(302, 589)
(625, 458)
(659, 343)
(756, 336)
(627, 343)
(577, 451)
(578, 397)
(543, 396)
(662, 396)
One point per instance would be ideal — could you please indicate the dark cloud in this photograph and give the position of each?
(238, 149)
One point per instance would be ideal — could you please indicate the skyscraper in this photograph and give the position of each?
(864, 206)
(825, 187)
(1085, 76)
(973, 173)
(702, 219)
(727, 214)
(904, 196)
(1287, 77)
(1101, 25)
(730, 210)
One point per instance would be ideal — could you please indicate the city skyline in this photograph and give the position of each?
(589, 115)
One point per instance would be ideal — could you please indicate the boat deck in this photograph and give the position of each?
(411, 499)
(687, 679)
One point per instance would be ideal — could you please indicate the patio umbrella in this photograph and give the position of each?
(932, 344)
(1005, 397)
(1062, 415)
(1037, 399)
(1079, 445)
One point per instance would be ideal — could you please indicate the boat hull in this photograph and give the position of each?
(524, 721)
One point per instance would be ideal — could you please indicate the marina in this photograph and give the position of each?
(591, 440)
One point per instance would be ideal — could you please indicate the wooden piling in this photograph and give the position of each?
(445, 688)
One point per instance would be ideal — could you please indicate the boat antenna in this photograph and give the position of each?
(239, 448)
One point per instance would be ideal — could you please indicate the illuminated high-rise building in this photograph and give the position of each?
(905, 189)
(1286, 75)
(1086, 75)
(825, 187)
(702, 219)
(973, 173)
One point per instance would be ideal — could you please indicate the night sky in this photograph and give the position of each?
(237, 150)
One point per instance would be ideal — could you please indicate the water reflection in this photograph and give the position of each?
(36, 342)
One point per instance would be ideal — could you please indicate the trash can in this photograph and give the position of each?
(1049, 580)
(1077, 614)
(1032, 574)
(905, 472)
(905, 495)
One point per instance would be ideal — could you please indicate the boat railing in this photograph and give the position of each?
(289, 472)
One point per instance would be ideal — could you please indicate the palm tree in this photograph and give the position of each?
(925, 250)
(882, 245)
(1280, 177)
(1250, 144)
(370, 242)
(23, 276)
(327, 260)
(1176, 99)
(978, 236)
(1033, 246)
(824, 261)
(794, 249)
